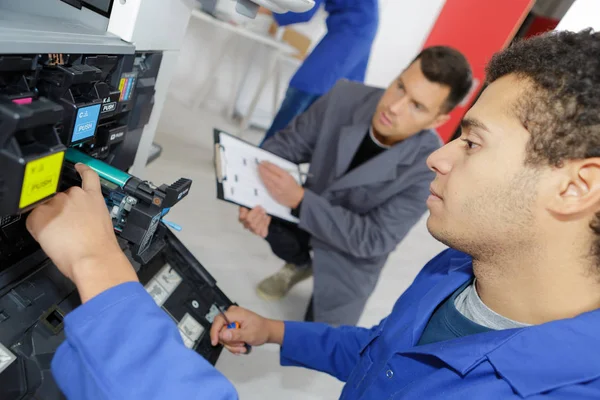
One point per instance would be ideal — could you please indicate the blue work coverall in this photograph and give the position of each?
(345, 49)
(342, 54)
(120, 345)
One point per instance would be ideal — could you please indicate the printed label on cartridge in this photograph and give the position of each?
(41, 179)
(190, 327)
(189, 343)
(163, 284)
(109, 107)
(6, 358)
(158, 293)
(168, 278)
(85, 123)
(212, 313)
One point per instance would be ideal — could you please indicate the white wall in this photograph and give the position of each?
(404, 26)
(582, 14)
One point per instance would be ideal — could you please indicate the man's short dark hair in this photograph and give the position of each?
(447, 66)
(561, 108)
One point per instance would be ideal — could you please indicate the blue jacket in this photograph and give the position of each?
(120, 345)
(345, 49)
(556, 360)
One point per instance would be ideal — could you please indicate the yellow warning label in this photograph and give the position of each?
(41, 179)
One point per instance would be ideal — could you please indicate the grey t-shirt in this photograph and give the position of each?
(469, 304)
(463, 314)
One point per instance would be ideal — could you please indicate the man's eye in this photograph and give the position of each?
(469, 145)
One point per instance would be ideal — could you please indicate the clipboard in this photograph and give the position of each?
(236, 173)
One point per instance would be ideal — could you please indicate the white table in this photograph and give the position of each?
(276, 48)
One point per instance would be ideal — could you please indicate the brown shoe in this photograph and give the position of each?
(279, 284)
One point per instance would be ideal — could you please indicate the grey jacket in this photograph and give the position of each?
(355, 219)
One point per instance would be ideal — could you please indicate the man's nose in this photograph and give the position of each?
(441, 161)
(398, 106)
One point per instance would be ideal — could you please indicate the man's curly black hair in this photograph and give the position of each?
(561, 109)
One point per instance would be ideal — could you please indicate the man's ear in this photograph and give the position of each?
(439, 121)
(579, 189)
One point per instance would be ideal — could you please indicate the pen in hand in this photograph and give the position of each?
(234, 325)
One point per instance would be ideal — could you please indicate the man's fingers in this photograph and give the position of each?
(271, 184)
(260, 229)
(236, 349)
(274, 169)
(218, 324)
(255, 220)
(229, 336)
(266, 174)
(264, 232)
(90, 181)
(44, 213)
(255, 216)
(243, 213)
(264, 226)
(274, 190)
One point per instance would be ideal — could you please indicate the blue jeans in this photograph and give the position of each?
(295, 103)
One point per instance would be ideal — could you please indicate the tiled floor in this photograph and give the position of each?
(239, 260)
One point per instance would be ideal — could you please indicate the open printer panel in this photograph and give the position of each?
(181, 285)
(33, 308)
(69, 94)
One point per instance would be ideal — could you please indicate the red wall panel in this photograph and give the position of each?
(540, 25)
(477, 28)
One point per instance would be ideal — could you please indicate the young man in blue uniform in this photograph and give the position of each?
(342, 54)
(512, 311)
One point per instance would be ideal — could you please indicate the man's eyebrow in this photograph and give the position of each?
(467, 123)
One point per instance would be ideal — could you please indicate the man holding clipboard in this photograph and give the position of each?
(367, 184)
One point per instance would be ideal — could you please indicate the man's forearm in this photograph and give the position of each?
(359, 235)
(95, 275)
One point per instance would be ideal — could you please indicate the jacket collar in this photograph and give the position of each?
(526, 358)
(529, 360)
(352, 134)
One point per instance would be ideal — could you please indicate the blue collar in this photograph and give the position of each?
(532, 360)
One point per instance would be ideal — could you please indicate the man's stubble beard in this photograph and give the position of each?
(497, 221)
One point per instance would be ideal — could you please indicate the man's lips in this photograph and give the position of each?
(384, 119)
(434, 193)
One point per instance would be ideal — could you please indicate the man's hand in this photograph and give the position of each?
(281, 185)
(254, 330)
(256, 220)
(74, 229)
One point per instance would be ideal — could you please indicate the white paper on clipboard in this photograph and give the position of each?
(237, 170)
